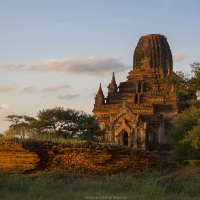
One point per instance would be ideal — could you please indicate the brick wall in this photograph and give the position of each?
(87, 157)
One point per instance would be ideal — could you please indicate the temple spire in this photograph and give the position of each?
(113, 79)
(112, 87)
(99, 98)
(100, 91)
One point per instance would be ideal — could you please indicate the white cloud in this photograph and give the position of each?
(4, 106)
(29, 89)
(54, 88)
(13, 67)
(97, 66)
(68, 96)
(178, 57)
(6, 88)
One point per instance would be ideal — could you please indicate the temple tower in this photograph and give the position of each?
(137, 112)
(153, 52)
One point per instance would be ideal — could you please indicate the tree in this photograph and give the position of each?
(67, 123)
(56, 122)
(88, 127)
(53, 120)
(187, 83)
(195, 79)
(20, 126)
(179, 82)
(186, 134)
(192, 137)
(186, 126)
(194, 83)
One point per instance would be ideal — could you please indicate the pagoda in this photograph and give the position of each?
(137, 112)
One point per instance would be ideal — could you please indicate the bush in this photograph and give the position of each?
(185, 134)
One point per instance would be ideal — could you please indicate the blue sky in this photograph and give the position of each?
(56, 52)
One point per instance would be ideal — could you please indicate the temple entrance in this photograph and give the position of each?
(125, 139)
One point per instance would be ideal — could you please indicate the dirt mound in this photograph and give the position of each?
(14, 159)
(34, 157)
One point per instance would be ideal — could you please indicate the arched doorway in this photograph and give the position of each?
(125, 139)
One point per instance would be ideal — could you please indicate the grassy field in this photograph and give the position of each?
(145, 186)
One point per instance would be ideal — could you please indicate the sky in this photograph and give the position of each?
(55, 53)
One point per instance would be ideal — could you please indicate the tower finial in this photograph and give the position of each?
(113, 78)
(99, 98)
(112, 87)
(100, 91)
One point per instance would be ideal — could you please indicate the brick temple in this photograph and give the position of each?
(137, 112)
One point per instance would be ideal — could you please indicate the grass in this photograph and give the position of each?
(144, 186)
(55, 139)
(45, 137)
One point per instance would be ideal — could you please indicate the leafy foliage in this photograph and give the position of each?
(192, 137)
(20, 126)
(179, 82)
(187, 83)
(67, 123)
(56, 122)
(186, 132)
(195, 80)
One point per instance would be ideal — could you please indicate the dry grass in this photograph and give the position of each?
(144, 186)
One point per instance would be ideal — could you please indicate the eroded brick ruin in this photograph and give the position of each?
(137, 112)
(86, 158)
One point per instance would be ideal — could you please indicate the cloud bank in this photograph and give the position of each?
(6, 88)
(29, 89)
(13, 67)
(68, 96)
(4, 106)
(178, 57)
(54, 88)
(97, 66)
